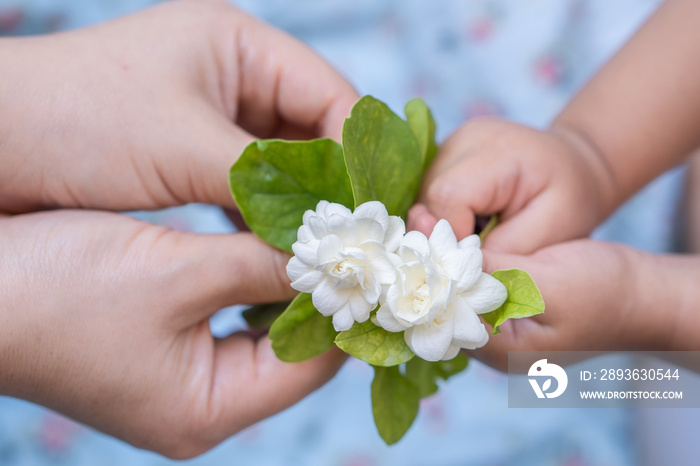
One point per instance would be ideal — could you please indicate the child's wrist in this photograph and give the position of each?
(6, 92)
(662, 299)
(607, 193)
(681, 275)
(10, 334)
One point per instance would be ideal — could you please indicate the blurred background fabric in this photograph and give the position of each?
(518, 59)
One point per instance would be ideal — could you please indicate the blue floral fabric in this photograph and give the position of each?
(517, 59)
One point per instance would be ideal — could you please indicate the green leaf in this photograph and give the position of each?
(274, 182)
(262, 316)
(374, 345)
(424, 374)
(524, 299)
(383, 158)
(423, 126)
(301, 332)
(394, 403)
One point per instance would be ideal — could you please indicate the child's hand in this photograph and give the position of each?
(635, 119)
(548, 186)
(152, 109)
(105, 318)
(601, 296)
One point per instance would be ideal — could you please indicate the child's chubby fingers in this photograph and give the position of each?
(540, 224)
(525, 335)
(541, 186)
(420, 218)
(477, 172)
(472, 186)
(516, 335)
(589, 294)
(543, 332)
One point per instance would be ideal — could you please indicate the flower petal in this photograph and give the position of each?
(351, 252)
(463, 266)
(328, 249)
(451, 353)
(304, 233)
(317, 225)
(487, 294)
(413, 246)
(441, 294)
(337, 209)
(412, 276)
(408, 316)
(329, 299)
(371, 289)
(344, 228)
(307, 252)
(384, 273)
(380, 264)
(342, 320)
(369, 230)
(297, 269)
(359, 307)
(442, 240)
(308, 282)
(373, 210)
(468, 331)
(395, 231)
(393, 293)
(303, 277)
(430, 341)
(476, 344)
(471, 241)
(321, 208)
(385, 319)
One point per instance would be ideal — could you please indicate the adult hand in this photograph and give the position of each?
(105, 318)
(152, 109)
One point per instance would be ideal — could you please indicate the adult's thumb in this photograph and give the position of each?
(240, 268)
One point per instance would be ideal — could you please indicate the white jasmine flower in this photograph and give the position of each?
(343, 259)
(439, 291)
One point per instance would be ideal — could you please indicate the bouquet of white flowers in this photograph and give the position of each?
(405, 303)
